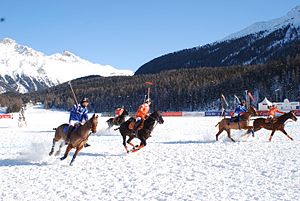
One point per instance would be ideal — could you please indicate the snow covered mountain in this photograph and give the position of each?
(24, 69)
(257, 44)
(291, 20)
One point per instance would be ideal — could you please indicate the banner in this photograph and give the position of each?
(6, 116)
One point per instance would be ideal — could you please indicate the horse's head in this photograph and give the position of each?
(157, 117)
(292, 116)
(94, 123)
(252, 111)
(125, 112)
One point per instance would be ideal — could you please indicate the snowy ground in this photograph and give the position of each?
(182, 161)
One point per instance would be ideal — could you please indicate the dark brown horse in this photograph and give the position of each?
(78, 137)
(260, 123)
(117, 121)
(143, 134)
(226, 125)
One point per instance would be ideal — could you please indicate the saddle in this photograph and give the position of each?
(235, 119)
(132, 124)
(270, 120)
(75, 127)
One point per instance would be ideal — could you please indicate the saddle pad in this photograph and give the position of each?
(131, 126)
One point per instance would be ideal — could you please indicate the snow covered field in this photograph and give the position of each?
(182, 161)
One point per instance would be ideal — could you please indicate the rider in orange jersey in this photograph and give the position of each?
(272, 114)
(141, 114)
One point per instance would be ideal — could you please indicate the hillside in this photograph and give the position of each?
(259, 43)
(176, 90)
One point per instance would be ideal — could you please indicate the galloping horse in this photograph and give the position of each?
(78, 137)
(226, 125)
(143, 134)
(278, 125)
(116, 121)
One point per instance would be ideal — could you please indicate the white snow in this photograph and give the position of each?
(17, 60)
(182, 161)
(291, 18)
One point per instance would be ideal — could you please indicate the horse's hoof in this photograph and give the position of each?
(50, 153)
(62, 158)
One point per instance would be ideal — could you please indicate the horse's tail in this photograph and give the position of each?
(116, 128)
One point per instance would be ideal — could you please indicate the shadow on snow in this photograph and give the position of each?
(19, 162)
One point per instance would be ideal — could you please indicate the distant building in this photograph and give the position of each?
(285, 106)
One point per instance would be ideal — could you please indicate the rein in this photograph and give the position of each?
(155, 124)
(90, 128)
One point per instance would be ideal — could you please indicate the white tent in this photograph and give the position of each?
(263, 106)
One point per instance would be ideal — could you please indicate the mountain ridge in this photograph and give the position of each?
(249, 46)
(24, 69)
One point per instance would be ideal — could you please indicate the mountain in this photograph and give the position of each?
(23, 69)
(175, 90)
(257, 44)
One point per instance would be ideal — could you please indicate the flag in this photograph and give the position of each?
(149, 83)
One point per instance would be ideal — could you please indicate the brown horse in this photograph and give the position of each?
(226, 125)
(117, 121)
(143, 134)
(260, 123)
(78, 137)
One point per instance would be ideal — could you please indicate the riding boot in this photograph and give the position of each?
(135, 128)
(70, 129)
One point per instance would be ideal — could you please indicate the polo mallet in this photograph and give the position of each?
(149, 84)
(73, 92)
(223, 113)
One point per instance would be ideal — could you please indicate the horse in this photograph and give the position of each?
(143, 134)
(117, 121)
(260, 123)
(226, 125)
(78, 137)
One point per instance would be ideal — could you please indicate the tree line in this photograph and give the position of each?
(174, 90)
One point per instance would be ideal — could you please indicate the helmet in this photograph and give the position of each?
(84, 100)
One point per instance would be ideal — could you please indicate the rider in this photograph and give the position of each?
(118, 112)
(78, 115)
(239, 110)
(272, 114)
(141, 114)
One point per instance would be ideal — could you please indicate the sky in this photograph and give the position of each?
(128, 33)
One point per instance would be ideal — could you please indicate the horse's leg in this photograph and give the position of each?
(53, 145)
(282, 130)
(229, 135)
(217, 135)
(109, 124)
(270, 138)
(142, 144)
(59, 149)
(68, 149)
(75, 154)
(129, 141)
(250, 130)
(124, 143)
